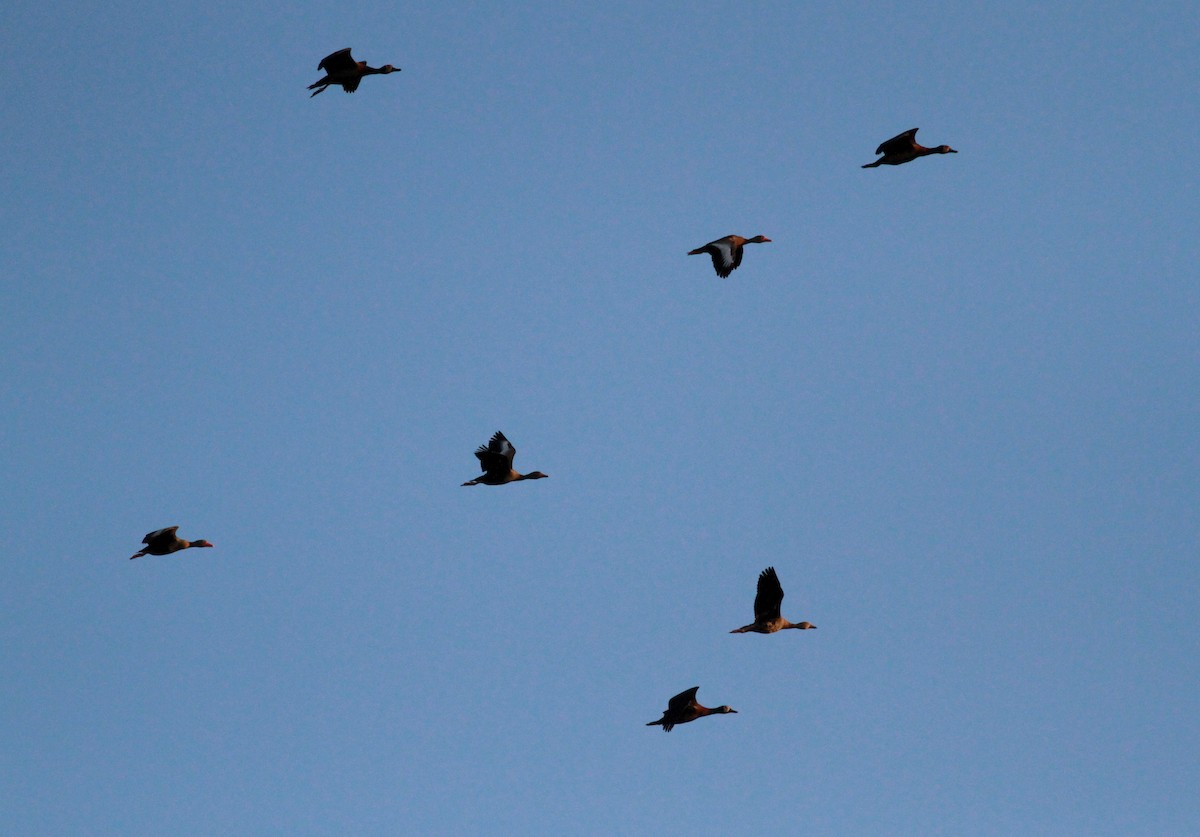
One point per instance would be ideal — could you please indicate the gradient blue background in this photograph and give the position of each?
(955, 403)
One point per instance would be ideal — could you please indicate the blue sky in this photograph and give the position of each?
(954, 403)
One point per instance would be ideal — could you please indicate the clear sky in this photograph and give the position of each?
(954, 403)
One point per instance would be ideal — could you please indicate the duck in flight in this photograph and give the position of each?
(341, 68)
(683, 708)
(164, 542)
(766, 608)
(727, 252)
(904, 147)
(495, 458)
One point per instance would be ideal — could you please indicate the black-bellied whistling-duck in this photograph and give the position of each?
(496, 460)
(727, 252)
(164, 542)
(341, 68)
(683, 708)
(766, 608)
(903, 148)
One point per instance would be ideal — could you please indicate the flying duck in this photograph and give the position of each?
(903, 148)
(341, 68)
(766, 608)
(496, 461)
(683, 708)
(164, 542)
(727, 252)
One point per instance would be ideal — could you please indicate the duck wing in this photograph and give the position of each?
(899, 143)
(726, 255)
(737, 256)
(162, 536)
(770, 596)
(679, 704)
(497, 456)
(338, 63)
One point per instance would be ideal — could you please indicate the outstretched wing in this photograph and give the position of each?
(682, 701)
(496, 458)
(167, 534)
(770, 596)
(337, 63)
(901, 142)
(725, 256)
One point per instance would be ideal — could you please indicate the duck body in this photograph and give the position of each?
(904, 148)
(726, 252)
(495, 458)
(767, 602)
(165, 541)
(683, 709)
(341, 68)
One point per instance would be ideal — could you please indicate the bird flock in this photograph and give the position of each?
(496, 457)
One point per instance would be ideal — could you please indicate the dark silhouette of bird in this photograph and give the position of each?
(341, 68)
(904, 147)
(727, 252)
(683, 708)
(766, 608)
(164, 542)
(496, 461)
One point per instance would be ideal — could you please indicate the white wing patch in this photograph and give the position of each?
(726, 250)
